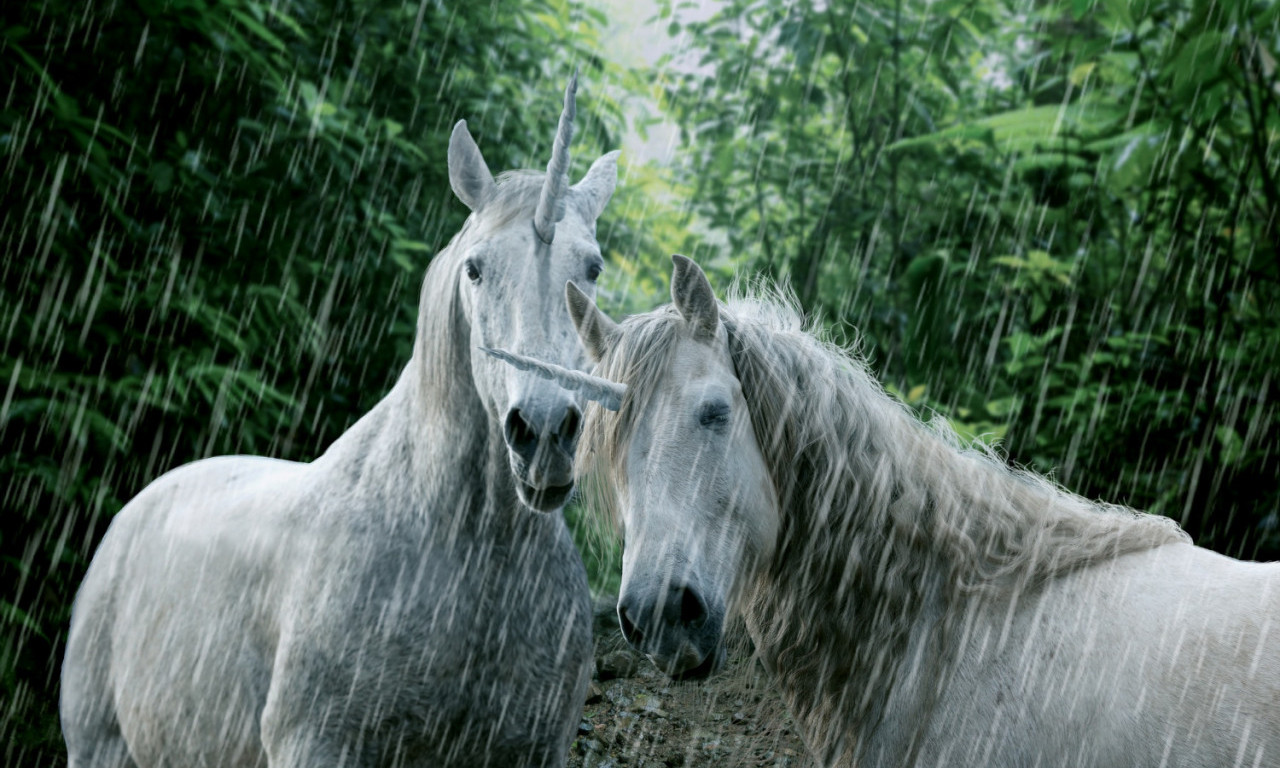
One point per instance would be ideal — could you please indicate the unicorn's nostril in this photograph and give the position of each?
(520, 436)
(571, 426)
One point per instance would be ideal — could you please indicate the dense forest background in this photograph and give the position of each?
(1052, 222)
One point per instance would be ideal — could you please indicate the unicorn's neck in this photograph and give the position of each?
(429, 445)
(454, 439)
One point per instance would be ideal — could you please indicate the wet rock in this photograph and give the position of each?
(604, 616)
(648, 705)
(594, 693)
(617, 664)
(617, 697)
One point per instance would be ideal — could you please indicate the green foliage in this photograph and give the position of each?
(216, 216)
(600, 546)
(1052, 223)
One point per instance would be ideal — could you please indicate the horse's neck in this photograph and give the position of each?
(864, 606)
(836, 615)
(840, 671)
(428, 450)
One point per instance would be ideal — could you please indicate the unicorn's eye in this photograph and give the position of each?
(714, 414)
(473, 271)
(593, 272)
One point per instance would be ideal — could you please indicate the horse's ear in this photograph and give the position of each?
(595, 328)
(468, 174)
(597, 186)
(693, 296)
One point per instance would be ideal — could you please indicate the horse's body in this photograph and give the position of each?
(920, 604)
(393, 602)
(1164, 657)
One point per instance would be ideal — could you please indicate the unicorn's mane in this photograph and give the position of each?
(515, 196)
(438, 350)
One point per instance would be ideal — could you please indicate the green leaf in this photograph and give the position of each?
(258, 29)
(12, 614)
(1004, 407)
(957, 134)
(1197, 63)
(1050, 160)
(1131, 167)
(1231, 444)
(162, 176)
(1082, 72)
(1117, 12)
(288, 21)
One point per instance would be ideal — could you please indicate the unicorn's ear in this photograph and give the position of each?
(595, 328)
(597, 186)
(693, 297)
(468, 174)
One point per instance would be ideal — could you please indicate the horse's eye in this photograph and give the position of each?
(713, 414)
(473, 271)
(593, 272)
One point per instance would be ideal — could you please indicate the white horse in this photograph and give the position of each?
(920, 604)
(392, 602)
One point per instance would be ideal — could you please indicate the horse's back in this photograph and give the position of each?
(171, 629)
(1205, 644)
(1165, 657)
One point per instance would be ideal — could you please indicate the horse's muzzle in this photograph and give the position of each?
(675, 628)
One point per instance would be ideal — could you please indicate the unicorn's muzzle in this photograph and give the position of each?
(541, 442)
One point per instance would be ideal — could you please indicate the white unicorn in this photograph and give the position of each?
(412, 597)
(920, 604)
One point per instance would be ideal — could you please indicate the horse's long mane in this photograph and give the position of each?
(880, 513)
(858, 463)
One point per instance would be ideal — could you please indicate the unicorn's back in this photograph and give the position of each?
(207, 530)
(238, 594)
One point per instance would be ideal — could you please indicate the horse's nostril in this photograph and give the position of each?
(629, 629)
(693, 612)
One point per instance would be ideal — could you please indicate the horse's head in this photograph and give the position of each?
(528, 236)
(694, 495)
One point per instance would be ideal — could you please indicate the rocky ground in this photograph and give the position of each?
(636, 716)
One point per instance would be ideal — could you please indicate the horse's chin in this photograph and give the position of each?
(546, 499)
(709, 665)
